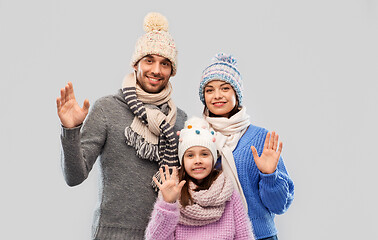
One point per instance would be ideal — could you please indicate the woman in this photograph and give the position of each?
(248, 153)
(202, 203)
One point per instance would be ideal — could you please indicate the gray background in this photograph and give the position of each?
(309, 70)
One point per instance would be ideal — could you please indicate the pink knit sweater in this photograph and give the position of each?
(234, 223)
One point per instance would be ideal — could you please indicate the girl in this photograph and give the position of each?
(201, 203)
(249, 153)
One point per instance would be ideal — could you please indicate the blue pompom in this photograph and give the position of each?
(222, 57)
(198, 131)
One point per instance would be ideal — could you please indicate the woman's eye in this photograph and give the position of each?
(208, 90)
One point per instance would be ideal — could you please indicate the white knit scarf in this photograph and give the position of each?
(208, 204)
(228, 133)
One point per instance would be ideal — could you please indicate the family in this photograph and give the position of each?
(164, 175)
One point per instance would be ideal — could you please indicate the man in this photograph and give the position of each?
(132, 132)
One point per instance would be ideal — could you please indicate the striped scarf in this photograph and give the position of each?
(151, 132)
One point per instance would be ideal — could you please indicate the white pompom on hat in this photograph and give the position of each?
(157, 40)
(196, 133)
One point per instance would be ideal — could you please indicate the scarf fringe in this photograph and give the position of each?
(143, 149)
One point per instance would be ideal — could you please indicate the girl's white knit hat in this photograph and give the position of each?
(196, 133)
(157, 40)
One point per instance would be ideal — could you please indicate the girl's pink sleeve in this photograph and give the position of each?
(163, 222)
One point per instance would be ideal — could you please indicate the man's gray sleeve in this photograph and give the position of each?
(82, 145)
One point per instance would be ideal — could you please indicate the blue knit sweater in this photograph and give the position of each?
(266, 194)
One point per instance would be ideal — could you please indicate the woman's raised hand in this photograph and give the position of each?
(69, 111)
(170, 188)
(267, 162)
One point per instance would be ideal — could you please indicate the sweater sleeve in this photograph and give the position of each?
(277, 189)
(82, 145)
(163, 222)
(243, 226)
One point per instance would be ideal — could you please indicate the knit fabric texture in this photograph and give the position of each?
(151, 123)
(125, 197)
(266, 194)
(234, 223)
(224, 68)
(208, 204)
(196, 133)
(157, 40)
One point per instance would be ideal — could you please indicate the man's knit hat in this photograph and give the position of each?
(156, 40)
(196, 133)
(223, 67)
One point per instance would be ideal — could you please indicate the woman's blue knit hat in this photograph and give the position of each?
(224, 68)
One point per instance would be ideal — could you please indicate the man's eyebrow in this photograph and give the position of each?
(148, 56)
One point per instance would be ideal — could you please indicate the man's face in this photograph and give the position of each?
(153, 73)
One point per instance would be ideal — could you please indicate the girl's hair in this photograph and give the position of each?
(185, 197)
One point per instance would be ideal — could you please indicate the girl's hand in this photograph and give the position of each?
(169, 188)
(267, 162)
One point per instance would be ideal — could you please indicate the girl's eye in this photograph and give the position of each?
(208, 90)
(226, 88)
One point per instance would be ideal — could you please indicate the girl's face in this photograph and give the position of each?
(198, 162)
(220, 98)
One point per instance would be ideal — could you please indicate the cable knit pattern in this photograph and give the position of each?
(208, 204)
(234, 223)
(266, 194)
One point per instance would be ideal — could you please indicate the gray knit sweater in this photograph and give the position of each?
(126, 197)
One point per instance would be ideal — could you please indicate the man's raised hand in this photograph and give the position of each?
(69, 111)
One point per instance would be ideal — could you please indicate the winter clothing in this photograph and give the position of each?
(151, 133)
(125, 193)
(196, 133)
(157, 40)
(228, 132)
(170, 221)
(224, 68)
(266, 194)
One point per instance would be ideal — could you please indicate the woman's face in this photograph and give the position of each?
(198, 162)
(220, 98)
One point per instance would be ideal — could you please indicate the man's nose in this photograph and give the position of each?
(156, 68)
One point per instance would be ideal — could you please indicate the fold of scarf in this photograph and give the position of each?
(228, 132)
(151, 132)
(208, 205)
